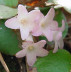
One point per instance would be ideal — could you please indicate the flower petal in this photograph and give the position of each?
(54, 25)
(63, 26)
(50, 15)
(12, 23)
(48, 34)
(29, 38)
(37, 31)
(31, 58)
(21, 53)
(24, 32)
(40, 44)
(58, 36)
(21, 11)
(61, 43)
(36, 15)
(56, 47)
(39, 48)
(41, 52)
(26, 44)
(34, 18)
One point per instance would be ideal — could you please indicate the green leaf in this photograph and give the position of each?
(53, 1)
(9, 43)
(11, 3)
(44, 38)
(7, 12)
(59, 17)
(58, 62)
(44, 10)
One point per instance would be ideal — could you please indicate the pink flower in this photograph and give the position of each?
(31, 50)
(46, 26)
(57, 38)
(24, 21)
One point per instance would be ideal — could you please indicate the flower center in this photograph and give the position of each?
(30, 48)
(23, 21)
(43, 25)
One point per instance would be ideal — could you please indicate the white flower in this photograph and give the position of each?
(46, 25)
(31, 50)
(57, 38)
(25, 21)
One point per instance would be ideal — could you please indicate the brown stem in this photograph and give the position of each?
(3, 63)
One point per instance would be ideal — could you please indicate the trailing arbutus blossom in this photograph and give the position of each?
(31, 50)
(57, 38)
(46, 26)
(25, 21)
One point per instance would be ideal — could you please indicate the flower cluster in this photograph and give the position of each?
(34, 23)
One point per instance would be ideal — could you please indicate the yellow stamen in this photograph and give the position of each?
(42, 25)
(23, 21)
(30, 48)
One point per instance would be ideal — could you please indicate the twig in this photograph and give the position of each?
(3, 63)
